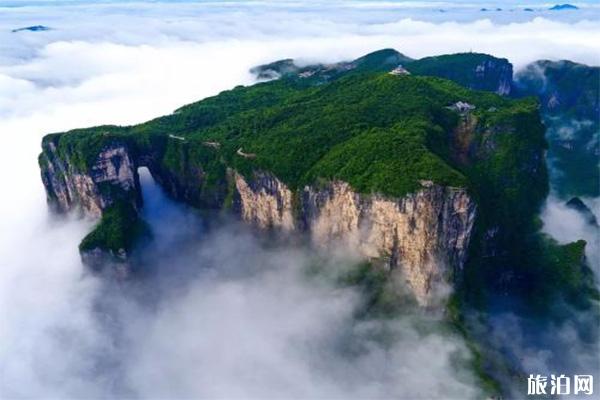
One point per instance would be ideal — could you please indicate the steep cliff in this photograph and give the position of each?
(71, 184)
(473, 70)
(104, 186)
(404, 170)
(564, 87)
(568, 94)
(421, 236)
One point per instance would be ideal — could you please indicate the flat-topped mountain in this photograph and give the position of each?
(428, 179)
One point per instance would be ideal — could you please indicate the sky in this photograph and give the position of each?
(222, 325)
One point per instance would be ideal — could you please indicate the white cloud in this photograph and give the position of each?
(568, 225)
(128, 62)
(221, 317)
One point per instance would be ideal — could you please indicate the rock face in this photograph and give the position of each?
(472, 70)
(562, 87)
(266, 202)
(500, 72)
(422, 236)
(70, 189)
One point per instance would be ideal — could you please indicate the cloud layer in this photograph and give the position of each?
(226, 316)
(222, 321)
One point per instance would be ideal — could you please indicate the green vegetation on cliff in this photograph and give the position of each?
(568, 93)
(565, 88)
(117, 230)
(381, 133)
(472, 70)
(391, 160)
(382, 126)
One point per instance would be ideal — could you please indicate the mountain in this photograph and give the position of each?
(431, 181)
(566, 90)
(330, 159)
(568, 93)
(472, 70)
(379, 61)
(562, 7)
(435, 185)
(33, 28)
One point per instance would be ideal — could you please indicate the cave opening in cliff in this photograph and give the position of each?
(175, 220)
(175, 228)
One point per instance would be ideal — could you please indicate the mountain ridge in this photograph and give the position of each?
(292, 153)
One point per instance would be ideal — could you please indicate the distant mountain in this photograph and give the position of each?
(378, 61)
(568, 94)
(472, 70)
(564, 87)
(34, 28)
(561, 7)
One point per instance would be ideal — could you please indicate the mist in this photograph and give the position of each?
(217, 310)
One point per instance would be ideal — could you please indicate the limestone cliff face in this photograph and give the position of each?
(265, 201)
(92, 191)
(423, 235)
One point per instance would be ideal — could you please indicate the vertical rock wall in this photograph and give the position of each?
(92, 191)
(422, 235)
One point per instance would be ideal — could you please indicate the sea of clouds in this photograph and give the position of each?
(225, 316)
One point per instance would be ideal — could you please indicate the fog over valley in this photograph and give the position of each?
(215, 308)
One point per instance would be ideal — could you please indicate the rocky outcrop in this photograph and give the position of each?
(265, 201)
(70, 187)
(423, 236)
